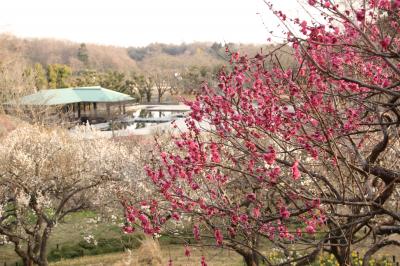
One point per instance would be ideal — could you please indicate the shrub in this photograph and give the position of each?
(103, 246)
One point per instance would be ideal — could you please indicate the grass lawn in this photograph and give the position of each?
(76, 226)
(70, 232)
(214, 257)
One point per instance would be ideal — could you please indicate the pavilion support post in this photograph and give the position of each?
(123, 109)
(73, 110)
(108, 111)
(120, 109)
(95, 110)
(79, 110)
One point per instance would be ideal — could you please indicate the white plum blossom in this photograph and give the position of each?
(46, 174)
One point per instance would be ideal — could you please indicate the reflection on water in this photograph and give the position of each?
(138, 125)
(117, 125)
(144, 113)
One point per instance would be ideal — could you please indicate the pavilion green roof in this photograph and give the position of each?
(94, 94)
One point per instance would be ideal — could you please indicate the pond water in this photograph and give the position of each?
(149, 117)
(157, 113)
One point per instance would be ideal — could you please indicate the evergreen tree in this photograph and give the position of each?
(83, 54)
(39, 76)
(57, 75)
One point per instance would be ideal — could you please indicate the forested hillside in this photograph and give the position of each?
(80, 56)
(149, 73)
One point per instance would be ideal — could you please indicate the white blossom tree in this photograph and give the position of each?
(48, 174)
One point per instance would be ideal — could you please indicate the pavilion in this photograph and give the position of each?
(82, 101)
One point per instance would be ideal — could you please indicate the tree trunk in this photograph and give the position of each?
(43, 245)
(27, 262)
(251, 259)
(342, 255)
(340, 243)
(43, 263)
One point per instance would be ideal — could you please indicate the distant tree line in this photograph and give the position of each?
(150, 73)
(139, 53)
(142, 86)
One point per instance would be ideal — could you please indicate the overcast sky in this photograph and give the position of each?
(140, 22)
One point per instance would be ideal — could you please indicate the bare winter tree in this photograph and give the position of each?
(164, 82)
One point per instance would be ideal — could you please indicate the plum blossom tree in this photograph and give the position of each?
(48, 174)
(304, 159)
